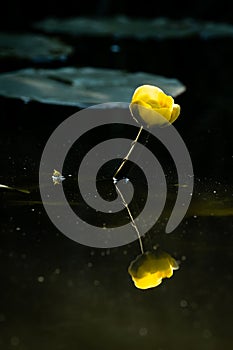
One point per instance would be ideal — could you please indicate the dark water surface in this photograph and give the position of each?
(57, 294)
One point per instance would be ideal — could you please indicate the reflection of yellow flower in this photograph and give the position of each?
(153, 106)
(148, 269)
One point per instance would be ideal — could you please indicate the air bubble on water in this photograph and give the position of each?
(92, 253)
(125, 252)
(183, 258)
(183, 303)
(143, 331)
(89, 265)
(57, 271)
(195, 216)
(40, 279)
(18, 228)
(102, 253)
(115, 48)
(96, 283)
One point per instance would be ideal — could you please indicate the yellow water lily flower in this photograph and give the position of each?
(150, 104)
(148, 269)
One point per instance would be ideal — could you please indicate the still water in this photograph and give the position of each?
(58, 294)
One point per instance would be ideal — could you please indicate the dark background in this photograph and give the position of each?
(86, 299)
(16, 14)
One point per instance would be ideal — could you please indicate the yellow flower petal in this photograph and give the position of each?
(148, 269)
(148, 115)
(175, 112)
(150, 104)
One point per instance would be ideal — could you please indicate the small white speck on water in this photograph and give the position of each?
(115, 48)
(183, 303)
(143, 331)
(40, 279)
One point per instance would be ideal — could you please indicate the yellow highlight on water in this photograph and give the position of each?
(149, 269)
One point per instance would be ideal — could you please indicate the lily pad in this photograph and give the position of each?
(144, 28)
(34, 47)
(80, 87)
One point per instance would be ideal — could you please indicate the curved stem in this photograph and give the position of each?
(131, 217)
(130, 151)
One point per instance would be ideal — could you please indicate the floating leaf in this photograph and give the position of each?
(144, 28)
(80, 87)
(33, 47)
